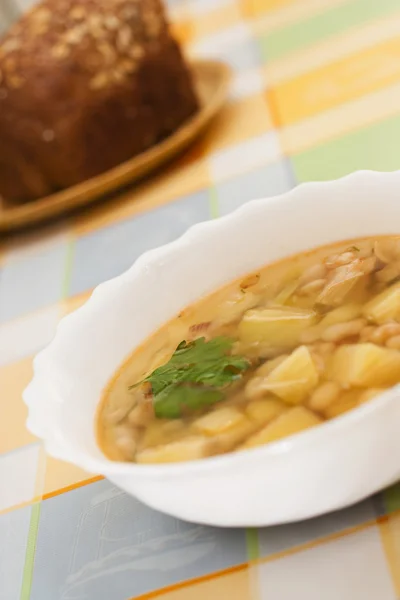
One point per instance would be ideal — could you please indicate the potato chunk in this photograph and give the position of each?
(218, 421)
(270, 365)
(342, 314)
(229, 439)
(349, 400)
(232, 309)
(263, 411)
(294, 378)
(385, 306)
(365, 365)
(345, 402)
(275, 326)
(293, 421)
(161, 431)
(323, 396)
(190, 448)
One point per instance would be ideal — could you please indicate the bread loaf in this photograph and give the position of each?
(84, 86)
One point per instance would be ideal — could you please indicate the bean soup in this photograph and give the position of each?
(272, 354)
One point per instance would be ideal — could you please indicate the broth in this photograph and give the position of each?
(279, 351)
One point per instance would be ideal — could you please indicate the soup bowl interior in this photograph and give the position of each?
(304, 475)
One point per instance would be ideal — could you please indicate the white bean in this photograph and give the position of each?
(311, 335)
(339, 260)
(312, 287)
(387, 250)
(388, 273)
(125, 440)
(341, 331)
(381, 334)
(115, 416)
(368, 265)
(312, 273)
(141, 415)
(366, 333)
(325, 348)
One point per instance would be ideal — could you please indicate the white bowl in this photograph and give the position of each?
(326, 468)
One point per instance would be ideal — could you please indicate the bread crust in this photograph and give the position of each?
(84, 86)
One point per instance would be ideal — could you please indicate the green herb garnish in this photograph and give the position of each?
(195, 377)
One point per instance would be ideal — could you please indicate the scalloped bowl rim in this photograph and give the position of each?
(147, 259)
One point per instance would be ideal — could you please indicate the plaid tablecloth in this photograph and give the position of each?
(316, 95)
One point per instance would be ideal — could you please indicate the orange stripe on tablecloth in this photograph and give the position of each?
(53, 493)
(273, 108)
(182, 177)
(73, 486)
(339, 82)
(41, 497)
(192, 582)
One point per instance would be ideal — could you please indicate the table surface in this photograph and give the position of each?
(316, 95)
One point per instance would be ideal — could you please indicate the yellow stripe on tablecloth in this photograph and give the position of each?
(215, 20)
(179, 179)
(389, 528)
(340, 82)
(292, 13)
(239, 121)
(332, 49)
(254, 8)
(341, 120)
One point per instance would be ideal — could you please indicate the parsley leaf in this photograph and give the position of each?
(195, 377)
(177, 399)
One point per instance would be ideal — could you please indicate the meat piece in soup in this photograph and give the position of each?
(277, 352)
